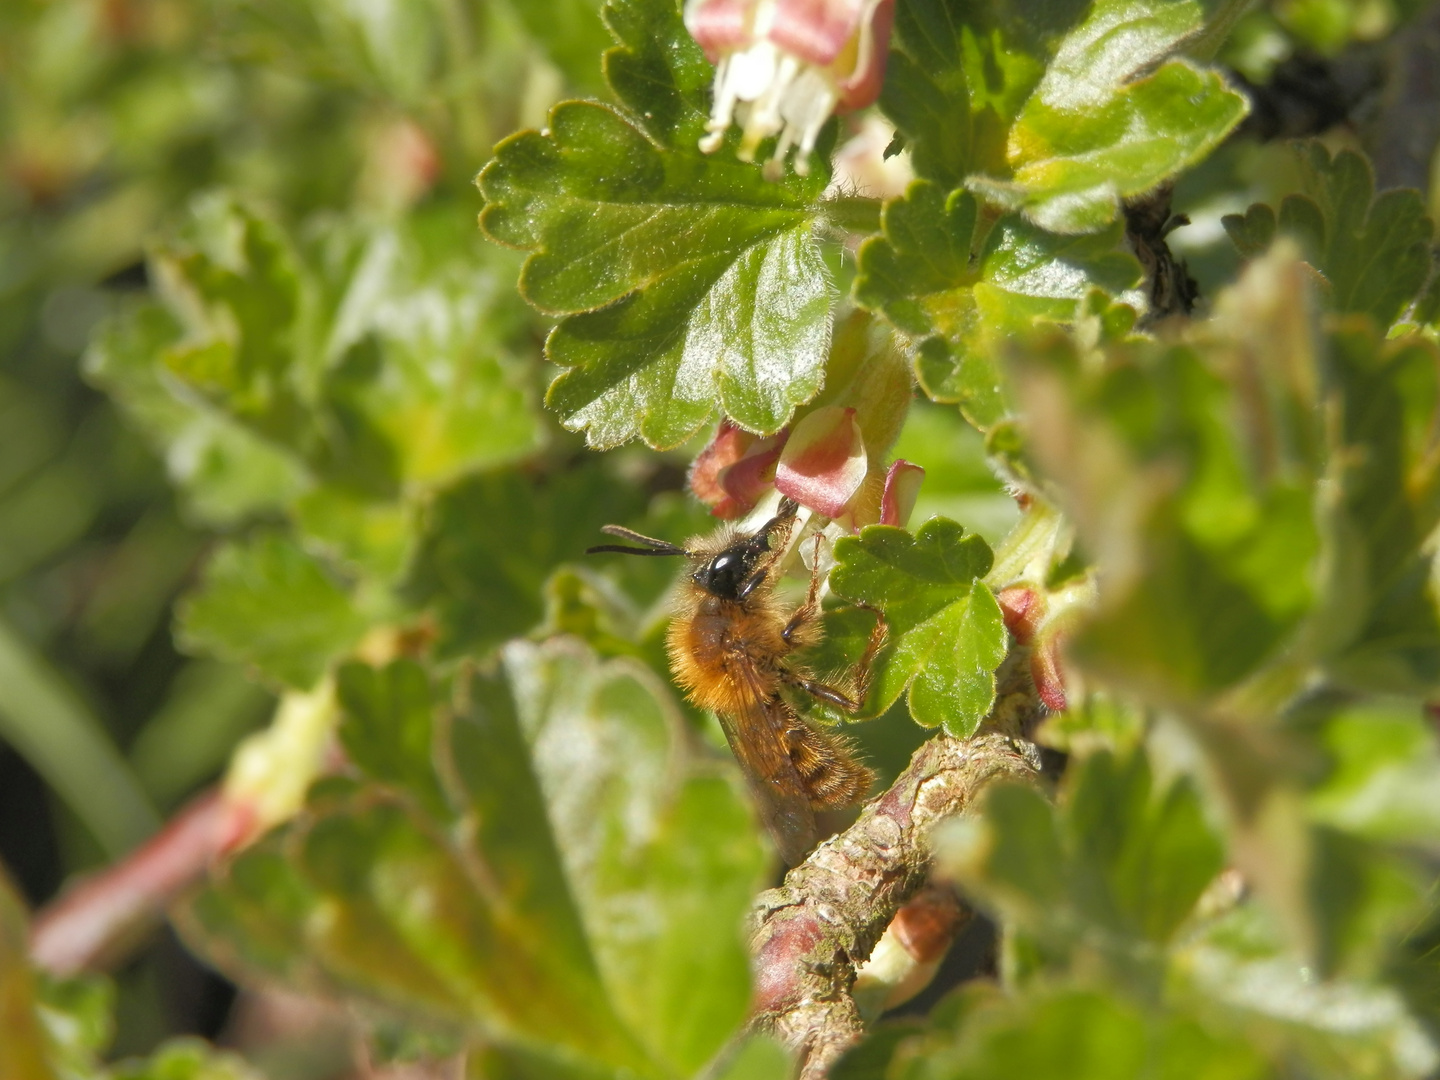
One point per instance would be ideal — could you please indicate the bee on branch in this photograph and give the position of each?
(732, 646)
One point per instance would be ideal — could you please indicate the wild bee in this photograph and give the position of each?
(731, 646)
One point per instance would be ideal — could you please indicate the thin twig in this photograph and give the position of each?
(97, 922)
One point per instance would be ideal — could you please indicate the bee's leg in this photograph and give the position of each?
(800, 630)
(852, 698)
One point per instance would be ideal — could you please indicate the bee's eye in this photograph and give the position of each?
(730, 575)
(723, 574)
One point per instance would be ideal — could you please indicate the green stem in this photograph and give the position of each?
(1204, 45)
(43, 719)
(1025, 554)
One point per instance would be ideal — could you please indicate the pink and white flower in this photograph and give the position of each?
(822, 464)
(783, 66)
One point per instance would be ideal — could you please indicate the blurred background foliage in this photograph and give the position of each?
(344, 450)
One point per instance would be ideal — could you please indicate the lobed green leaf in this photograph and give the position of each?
(266, 603)
(1102, 126)
(1054, 108)
(685, 283)
(491, 543)
(557, 922)
(944, 269)
(1374, 250)
(946, 633)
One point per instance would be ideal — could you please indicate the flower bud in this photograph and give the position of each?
(783, 66)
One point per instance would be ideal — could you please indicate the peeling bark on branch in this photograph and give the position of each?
(813, 932)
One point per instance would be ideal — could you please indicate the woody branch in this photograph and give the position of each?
(813, 932)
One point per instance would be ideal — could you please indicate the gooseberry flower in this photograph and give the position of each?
(783, 66)
(822, 464)
(735, 470)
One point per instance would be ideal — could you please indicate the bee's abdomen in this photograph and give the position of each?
(828, 768)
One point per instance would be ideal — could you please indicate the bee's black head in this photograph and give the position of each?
(737, 571)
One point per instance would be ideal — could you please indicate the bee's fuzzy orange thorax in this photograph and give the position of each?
(723, 653)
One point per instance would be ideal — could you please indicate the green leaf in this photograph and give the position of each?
(1205, 540)
(558, 925)
(1336, 1027)
(511, 1062)
(78, 1015)
(636, 835)
(1077, 1034)
(226, 472)
(1384, 782)
(1105, 123)
(368, 537)
(235, 282)
(1373, 250)
(758, 1058)
(388, 729)
(572, 35)
(687, 284)
(1252, 232)
(1414, 969)
(418, 374)
(946, 634)
(943, 268)
(1149, 854)
(491, 543)
(24, 1053)
(265, 602)
(1109, 877)
(658, 74)
(956, 78)
(365, 899)
(371, 354)
(186, 1059)
(1359, 898)
(521, 849)
(1389, 638)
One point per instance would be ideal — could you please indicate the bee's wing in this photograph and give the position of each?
(757, 738)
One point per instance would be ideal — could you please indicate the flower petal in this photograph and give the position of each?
(1023, 610)
(861, 86)
(727, 447)
(720, 26)
(815, 31)
(823, 463)
(733, 472)
(902, 488)
(746, 481)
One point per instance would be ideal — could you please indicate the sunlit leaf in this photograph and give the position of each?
(1112, 117)
(559, 921)
(267, 603)
(1109, 877)
(946, 634)
(225, 471)
(942, 268)
(687, 284)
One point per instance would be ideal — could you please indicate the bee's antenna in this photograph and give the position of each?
(651, 545)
